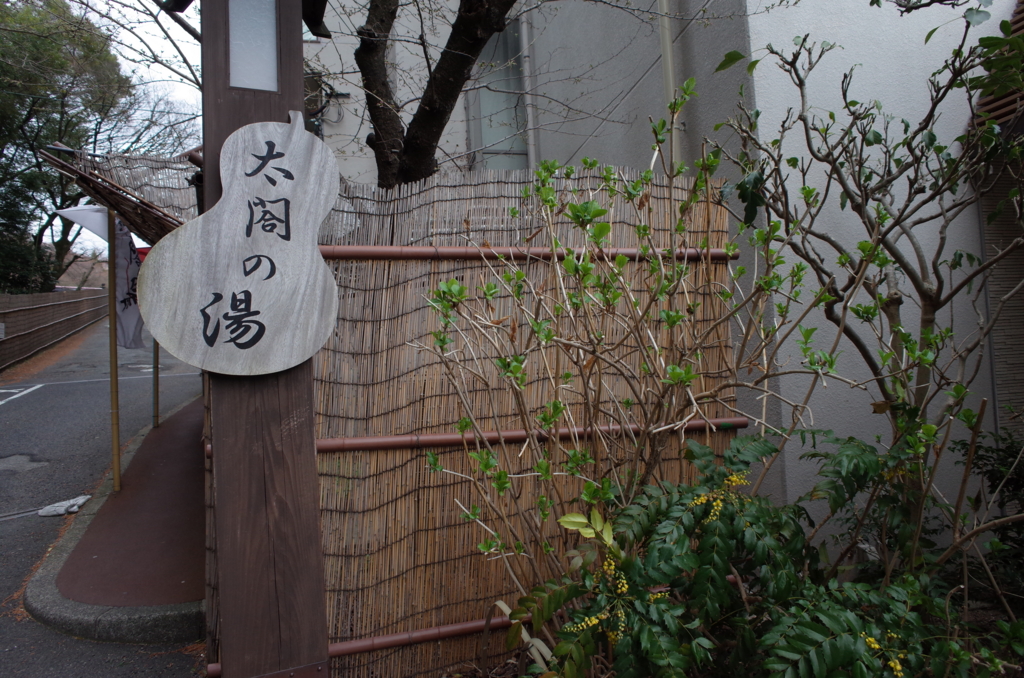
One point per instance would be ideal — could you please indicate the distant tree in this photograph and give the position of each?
(60, 84)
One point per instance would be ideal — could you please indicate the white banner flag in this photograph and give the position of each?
(127, 316)
(129, 320)
(90, 217)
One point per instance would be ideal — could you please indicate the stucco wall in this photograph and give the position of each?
(598, 72)
(892, 63)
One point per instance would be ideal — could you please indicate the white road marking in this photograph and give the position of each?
(28, 390)
(22, 514)
(89, 381)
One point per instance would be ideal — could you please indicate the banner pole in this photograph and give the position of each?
(156, 383)
(115, 419)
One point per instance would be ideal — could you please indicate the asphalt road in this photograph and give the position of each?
(55, 445)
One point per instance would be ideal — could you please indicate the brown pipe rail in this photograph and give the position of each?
(401, 639)
(421, 253)
(417, 441)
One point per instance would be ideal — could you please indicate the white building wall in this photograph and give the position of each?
(597, 77)
(892, 64)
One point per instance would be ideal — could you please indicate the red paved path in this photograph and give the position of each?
(145, 546)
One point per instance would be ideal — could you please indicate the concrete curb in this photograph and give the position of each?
(179, 623)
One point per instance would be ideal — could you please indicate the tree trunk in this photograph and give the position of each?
(371, 57)
(404, 157)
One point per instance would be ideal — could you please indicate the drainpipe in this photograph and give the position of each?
(668, 74)
(525, 40)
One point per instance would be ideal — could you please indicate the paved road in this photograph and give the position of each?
(55, 445)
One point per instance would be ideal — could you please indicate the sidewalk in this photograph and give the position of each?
(131, 566)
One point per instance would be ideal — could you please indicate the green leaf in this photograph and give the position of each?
(788, 654)
(976, 17)
(573, 521)
(751, 66)
(816, 664)
(930, 34)
(730, 59)
(515, 632)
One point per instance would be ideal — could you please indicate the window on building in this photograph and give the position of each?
(497, 114)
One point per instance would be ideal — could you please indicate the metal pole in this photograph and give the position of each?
(115, 419)
(668, 75)
(156, 383)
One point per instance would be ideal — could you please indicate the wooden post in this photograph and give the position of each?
(269, 557)
(272, 607)
(115, 417)
(156, 383)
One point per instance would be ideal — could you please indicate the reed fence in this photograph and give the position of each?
(30, 323)
(399, 556)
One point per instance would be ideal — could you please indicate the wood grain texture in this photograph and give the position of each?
(271, 592)
(242, 288)
(227, 108)
(266, 592)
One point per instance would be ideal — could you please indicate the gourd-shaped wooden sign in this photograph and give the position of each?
(243, 289)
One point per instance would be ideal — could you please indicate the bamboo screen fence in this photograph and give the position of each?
(166, 183)
(32, 322)
(399, 556)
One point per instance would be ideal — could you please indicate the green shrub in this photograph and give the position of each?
(705, 580)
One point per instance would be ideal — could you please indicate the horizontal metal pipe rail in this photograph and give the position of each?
(400, 639)
(54, 303)
(421, 253)
(417, 441)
